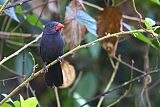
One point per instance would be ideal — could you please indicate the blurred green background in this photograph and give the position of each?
(93, 62)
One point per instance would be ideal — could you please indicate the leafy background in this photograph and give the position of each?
(93, 61)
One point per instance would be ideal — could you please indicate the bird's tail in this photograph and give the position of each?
(54, 75)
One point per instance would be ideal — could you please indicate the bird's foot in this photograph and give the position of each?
(59, 59)
(44, 68)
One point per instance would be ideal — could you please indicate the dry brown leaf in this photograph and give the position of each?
(68, 74)
(109, 21)
(73, 31)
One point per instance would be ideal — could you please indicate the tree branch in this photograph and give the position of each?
(18, 3)
(120, 86)
(4, 5)
(119, 34)
(21, 49)
(6, 34)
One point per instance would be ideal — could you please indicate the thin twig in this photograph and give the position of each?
(4, 5)
(11, 78)
(93, 5)
(109, 83)
(63, 56)
(20, 44)
(10, 70)
(126, 64)
(101, 9)
(24, 35)
(126, 92)
(21, 49)
(120, 86)
(33, 93)
(18, 3)
(57, 97)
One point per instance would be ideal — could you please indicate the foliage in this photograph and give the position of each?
(85, 21)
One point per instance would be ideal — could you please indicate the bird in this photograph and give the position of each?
(51, 48)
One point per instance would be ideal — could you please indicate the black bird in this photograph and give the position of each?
(51, 47)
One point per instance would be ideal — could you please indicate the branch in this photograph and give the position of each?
(126, 92)
(21, 49)
(120, 86)
(18, 3)
(101, 9)
(6, 34)
(4, 5)
(109, 83)
(119, 34)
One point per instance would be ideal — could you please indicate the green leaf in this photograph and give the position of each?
(149, 23)
(95, 49)
(19, 10)
(139, 35)
(33, 20)
(22, 102)
(17, 104)
(31, 102)
(5, 105)
(87, 86)
(156, 1)
(28, 63)
(85, 19)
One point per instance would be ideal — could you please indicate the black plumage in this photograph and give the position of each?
(51, 47)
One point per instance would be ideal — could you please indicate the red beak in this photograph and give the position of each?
(59, 26)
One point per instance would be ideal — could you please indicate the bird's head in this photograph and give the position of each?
(52, 27)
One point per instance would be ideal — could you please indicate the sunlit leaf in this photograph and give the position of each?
(10, 12)
(31, 102)
(33, 20)
(17, 104)
(149, 22)
(84, 19)
(5, 105)
(22, 102)
(156, 1)
(143, 38)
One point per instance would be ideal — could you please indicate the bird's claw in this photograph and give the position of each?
(44, 69)
(59, 59)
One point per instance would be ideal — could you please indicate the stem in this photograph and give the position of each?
(4, 5)
(63, 56)
(57, 96)
(110, 83)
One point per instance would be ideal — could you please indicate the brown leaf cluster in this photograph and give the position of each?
(69, 74)
(73, 31)
(109, 21)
